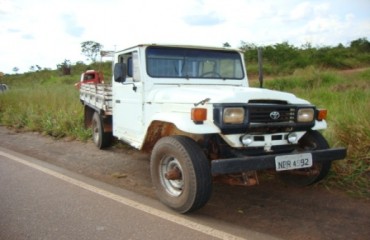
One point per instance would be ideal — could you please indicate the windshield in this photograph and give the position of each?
(168, 62)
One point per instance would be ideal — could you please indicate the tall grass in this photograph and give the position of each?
(54, 110)
(347, 98)
(47, 102)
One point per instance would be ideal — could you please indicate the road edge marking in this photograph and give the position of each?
(128, 202)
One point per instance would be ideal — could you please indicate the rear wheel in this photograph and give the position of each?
(101, 139)
(181, 173)
(312, 140)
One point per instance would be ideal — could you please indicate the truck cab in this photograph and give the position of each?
(90, 77)
(192, 109)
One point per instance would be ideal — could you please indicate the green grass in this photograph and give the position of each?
(54, 110)
(347, 98)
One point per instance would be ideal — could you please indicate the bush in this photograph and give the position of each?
(282, 59)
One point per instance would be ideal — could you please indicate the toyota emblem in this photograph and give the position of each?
(275, 115)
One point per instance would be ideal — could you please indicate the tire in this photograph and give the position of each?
(312, 140)
(101, 139)
(192, 187)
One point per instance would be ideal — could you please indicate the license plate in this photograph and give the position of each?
(296, 161)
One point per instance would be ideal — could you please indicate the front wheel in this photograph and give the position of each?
(181, 173)
(312, 140)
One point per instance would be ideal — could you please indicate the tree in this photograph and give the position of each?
(248, 46)
(91, 49)
(361, 45)
(281, 53)
(65, 67)
(15, 69)
(250, 51)
(35, 68)
(226, 45)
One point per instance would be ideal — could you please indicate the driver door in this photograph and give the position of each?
(128, 104)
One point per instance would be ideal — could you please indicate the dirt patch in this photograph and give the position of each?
(355, 70)
(271, 207)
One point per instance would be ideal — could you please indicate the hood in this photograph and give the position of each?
(217, 94)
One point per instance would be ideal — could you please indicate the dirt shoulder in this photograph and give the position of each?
(271, 207)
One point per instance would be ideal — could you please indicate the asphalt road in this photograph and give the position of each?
(42, 201)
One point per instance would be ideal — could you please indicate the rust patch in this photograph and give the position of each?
(173, 174)
(243, 179)
(107, 124)
(156, 131)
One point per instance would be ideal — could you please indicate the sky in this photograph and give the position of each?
(48, 32)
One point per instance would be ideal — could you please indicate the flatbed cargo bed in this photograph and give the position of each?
(97, 96)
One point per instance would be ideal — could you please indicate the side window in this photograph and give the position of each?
(132, 63)
(129, 67)
(127, 59)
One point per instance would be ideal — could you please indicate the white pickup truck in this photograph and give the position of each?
(192, 109)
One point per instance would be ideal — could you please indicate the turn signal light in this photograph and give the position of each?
(322, 113)
(198, 115)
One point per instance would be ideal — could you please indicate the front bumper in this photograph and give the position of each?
(243, 164)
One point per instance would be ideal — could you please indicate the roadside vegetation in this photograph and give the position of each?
(346, 96)
(46, 101)
(335, 78)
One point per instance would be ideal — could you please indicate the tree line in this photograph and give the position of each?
(285, 58)
(280, 58)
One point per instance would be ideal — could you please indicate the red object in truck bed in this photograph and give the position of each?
(90, 76)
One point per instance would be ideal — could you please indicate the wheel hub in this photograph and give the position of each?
(171, 176)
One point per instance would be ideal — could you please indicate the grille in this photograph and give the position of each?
(271, 114)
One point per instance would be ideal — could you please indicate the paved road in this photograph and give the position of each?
(42, 201)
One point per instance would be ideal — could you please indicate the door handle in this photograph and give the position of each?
(118, 101)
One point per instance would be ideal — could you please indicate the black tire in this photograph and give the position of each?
(101, 139)
(193, 187)
(312, 140)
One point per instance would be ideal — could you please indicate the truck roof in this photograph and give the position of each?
(184, 46)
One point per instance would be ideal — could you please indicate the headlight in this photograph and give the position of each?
(305, 115)
(234, 115)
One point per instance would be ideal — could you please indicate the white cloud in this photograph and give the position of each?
(302, 10)
(6, 6)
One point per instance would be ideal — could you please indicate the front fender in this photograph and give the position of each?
(184, 123)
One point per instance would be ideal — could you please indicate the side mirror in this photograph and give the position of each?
(120, 72)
